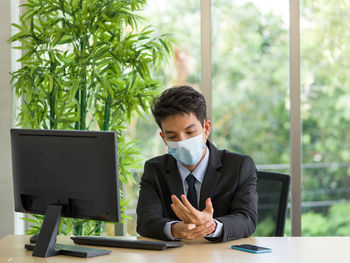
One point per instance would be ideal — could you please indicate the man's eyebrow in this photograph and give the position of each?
(188, 127)
(167, 132)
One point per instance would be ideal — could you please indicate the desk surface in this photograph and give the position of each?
(289, 249)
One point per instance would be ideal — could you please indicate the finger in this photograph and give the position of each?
(187, 204)
(209, 206)
(177, 212)
(212, 227)
(183, 216)
(203, 228)
(189, 227)
(208, 202)
(174, 199)
(208, 224)
(178, 203)
(191, 212)
(180, 214)
(201, 231)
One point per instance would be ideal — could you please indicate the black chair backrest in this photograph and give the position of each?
(273, 191)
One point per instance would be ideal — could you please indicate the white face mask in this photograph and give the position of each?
(188, 151)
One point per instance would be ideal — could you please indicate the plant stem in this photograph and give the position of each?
(83, 91)
(83, 105)
(107, 113)
(53, 123)
(52, 110)
(77, 97)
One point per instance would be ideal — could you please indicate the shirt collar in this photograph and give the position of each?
(198, 172)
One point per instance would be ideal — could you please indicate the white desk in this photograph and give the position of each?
(290, 249)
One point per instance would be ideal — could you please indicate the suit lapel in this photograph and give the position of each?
(210, 180)
(211, 177)
(173, 178)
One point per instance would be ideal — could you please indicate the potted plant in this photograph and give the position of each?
(86, 65)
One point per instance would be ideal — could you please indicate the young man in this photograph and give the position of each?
(195, 190)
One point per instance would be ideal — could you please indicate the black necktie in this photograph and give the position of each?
(192, 193)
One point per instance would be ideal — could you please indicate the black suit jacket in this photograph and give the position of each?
(230, 182)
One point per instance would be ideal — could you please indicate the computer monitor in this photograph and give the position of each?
(65, 173)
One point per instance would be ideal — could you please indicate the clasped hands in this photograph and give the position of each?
(194, 223)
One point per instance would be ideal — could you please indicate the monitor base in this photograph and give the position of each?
(75, 251)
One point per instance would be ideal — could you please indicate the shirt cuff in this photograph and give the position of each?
(167, 230)
(218, 229)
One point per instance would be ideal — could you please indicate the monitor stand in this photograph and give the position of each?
(45, 245)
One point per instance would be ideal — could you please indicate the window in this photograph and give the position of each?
(325, 95)
(250, 81)
(181, 19)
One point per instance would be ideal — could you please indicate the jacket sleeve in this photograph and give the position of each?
(242, 219)
(150, 219)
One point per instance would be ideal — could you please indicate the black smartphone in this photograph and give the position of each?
(252, 248)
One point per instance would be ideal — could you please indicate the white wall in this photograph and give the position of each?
(6, 192)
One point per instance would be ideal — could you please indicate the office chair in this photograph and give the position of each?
(273, 190)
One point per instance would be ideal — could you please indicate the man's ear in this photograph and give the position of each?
(162, 135)
(207, 127)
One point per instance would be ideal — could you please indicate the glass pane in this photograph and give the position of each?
(181, 19)
(250, 81)
(325, 82)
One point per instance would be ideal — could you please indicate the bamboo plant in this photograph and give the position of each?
(86, 65)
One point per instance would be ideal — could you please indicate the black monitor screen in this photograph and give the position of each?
(75, 169)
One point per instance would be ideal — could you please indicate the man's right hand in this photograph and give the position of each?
(191, 231)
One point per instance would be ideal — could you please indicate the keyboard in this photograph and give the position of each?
(125, 243)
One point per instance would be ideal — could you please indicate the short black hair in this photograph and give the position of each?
(179, 99)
